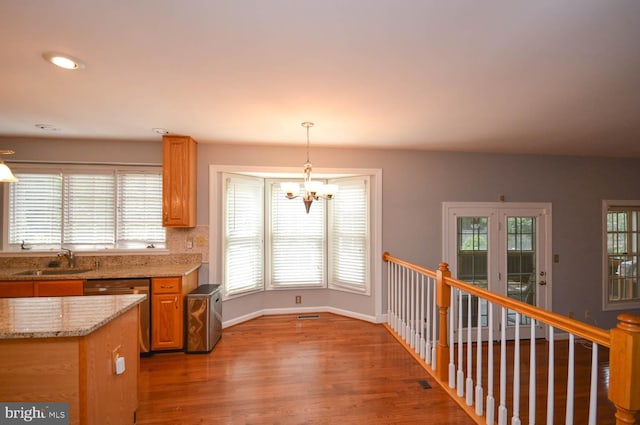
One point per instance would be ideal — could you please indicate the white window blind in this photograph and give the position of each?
(243, 250)
(140, 208)
(89, 209)
(105, 207)
(297, 241)
(349, 234)
(35, 216)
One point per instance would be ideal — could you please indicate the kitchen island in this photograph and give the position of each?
(80, 350)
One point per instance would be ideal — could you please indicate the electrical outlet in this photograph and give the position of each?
(587, 314)
(190, 243)
(298, 299)
(571, 314)
(115, 355)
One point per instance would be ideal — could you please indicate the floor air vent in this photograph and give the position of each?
(308, 316)
(424, 384)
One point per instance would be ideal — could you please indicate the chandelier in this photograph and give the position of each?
(5, 173)
(313, 190)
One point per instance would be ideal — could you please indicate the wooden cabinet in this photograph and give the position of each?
(167, 310)
(16, 289)
(43, 288)
(58, 288)
(179, 178)
(167, 314)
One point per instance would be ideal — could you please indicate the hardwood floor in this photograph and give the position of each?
(281, 370)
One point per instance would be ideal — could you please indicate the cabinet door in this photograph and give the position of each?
(179, 181)
(58, 288)
(16, 289)
(166, 322)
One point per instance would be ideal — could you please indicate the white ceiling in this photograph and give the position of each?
(544, 76)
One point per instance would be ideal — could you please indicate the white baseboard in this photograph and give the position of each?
(303, 310)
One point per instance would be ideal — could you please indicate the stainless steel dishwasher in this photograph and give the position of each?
(122, 287)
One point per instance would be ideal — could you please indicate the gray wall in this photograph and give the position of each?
(415, 183)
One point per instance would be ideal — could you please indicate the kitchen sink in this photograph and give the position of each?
(51, 272)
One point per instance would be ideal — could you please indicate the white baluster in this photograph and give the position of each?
(434, 321)
(451, 330)
(479, 392)
(389, 293)
(515, 419)
(403, 303)
(424, 320)
(417, 322)
(423, 317)
(550, 377)
(593, 394)
(460, 382)
(407, 317)
(412, 310)
(491, 401)
(502, 409)
(469, 381)
(430, 305)
(392, 300)
(570, 381)
(532, 374)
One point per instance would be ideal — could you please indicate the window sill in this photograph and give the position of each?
(101, 252)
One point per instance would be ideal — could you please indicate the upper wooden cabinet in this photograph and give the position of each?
(179, 178)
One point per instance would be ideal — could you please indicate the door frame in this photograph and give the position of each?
(546, 260)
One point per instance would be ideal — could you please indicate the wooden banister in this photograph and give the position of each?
(558, 321)
(623, 341)
(624, 357)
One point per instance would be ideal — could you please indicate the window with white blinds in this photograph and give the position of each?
(296, 241)
(243, 230)
(35, 209)
(88, 209)
(349, 235)
(105, 208)
(270, 242)
(139, 212)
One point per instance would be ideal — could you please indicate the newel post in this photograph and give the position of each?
(624, 359)
(443, 300)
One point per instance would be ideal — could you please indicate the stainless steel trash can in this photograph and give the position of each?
(204, 318)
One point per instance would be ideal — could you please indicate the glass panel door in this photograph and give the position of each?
(501, 248)
(473, 262)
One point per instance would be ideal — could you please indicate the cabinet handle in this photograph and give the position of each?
(166, 287)
(175, 302)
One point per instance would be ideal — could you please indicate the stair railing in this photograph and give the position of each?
(426, 312)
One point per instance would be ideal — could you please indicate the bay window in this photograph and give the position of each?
(270, 242)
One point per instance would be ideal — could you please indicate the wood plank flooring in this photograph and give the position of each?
(281, 370)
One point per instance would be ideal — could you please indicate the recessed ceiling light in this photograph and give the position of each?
(160, 130)
(47, 127)
(63, 60)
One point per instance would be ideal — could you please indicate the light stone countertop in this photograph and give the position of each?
(122, 271)
(61, 316)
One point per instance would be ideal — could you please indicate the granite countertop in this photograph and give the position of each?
(122, 271)
(61, 316)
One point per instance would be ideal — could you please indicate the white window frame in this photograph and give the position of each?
(216, 187)
(608, 305)
(270, 285)
(76, 169)
(255, 274)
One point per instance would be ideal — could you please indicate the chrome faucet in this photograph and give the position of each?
(68, 254)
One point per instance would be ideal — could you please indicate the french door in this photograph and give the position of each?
(504, 248)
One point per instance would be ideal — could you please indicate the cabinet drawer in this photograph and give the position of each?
(166, 285)
(16, 289)
(58, 288)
